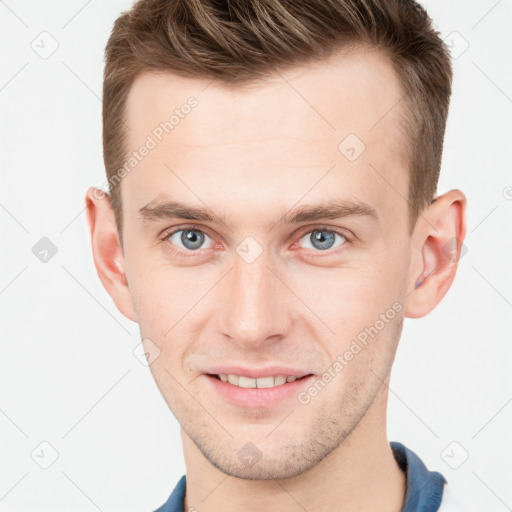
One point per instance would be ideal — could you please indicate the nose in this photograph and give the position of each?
(255, 307)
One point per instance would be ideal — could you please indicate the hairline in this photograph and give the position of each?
(406, 123)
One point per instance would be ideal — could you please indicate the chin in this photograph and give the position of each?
(263, 470)
(272, 462)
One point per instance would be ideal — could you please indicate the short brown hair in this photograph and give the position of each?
(239, 41)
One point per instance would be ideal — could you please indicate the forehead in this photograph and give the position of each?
(281, 133)
(344, 92)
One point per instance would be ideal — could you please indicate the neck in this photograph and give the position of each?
(360, 475)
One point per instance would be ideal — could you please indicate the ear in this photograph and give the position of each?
(437, 244)
(107, 250)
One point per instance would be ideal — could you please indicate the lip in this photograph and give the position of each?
(259, 398)
(255, 373)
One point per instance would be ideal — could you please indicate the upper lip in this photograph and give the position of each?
(255, 373)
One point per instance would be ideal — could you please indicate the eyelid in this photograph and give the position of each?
(333, 229)
(167, 233)
(319, 253)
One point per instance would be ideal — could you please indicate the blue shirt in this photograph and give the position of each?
(424, 487)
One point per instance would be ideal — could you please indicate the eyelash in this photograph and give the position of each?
(188, 254)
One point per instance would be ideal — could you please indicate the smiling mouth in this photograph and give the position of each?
(257, 383)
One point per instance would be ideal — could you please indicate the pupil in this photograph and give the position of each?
(192, 239)
(320, 241)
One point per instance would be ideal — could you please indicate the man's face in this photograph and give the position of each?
(256, 290)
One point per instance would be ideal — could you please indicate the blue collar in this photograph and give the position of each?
(424, 487)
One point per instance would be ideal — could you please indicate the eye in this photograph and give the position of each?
(189, 239)
(323, 239)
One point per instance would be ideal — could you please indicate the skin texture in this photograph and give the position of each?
(251, 154)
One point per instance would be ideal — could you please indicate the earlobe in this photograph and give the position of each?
(107, 250)
(439, 238)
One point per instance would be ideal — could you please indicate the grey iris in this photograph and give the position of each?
(192, 239)
(322, 239)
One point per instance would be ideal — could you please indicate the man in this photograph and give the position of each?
(270, 222)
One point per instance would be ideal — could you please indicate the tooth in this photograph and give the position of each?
(261, 382)
(233, 379)
(265, 382)
(246, 382)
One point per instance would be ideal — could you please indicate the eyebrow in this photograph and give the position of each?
(329, 210)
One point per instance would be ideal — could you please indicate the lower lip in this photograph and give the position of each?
(258, 397)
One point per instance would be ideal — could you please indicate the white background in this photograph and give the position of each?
(68, 375)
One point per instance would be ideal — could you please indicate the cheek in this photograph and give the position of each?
(346, 299)
(167, 301)
(356, 307)
(162, 294)
(349, 295)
